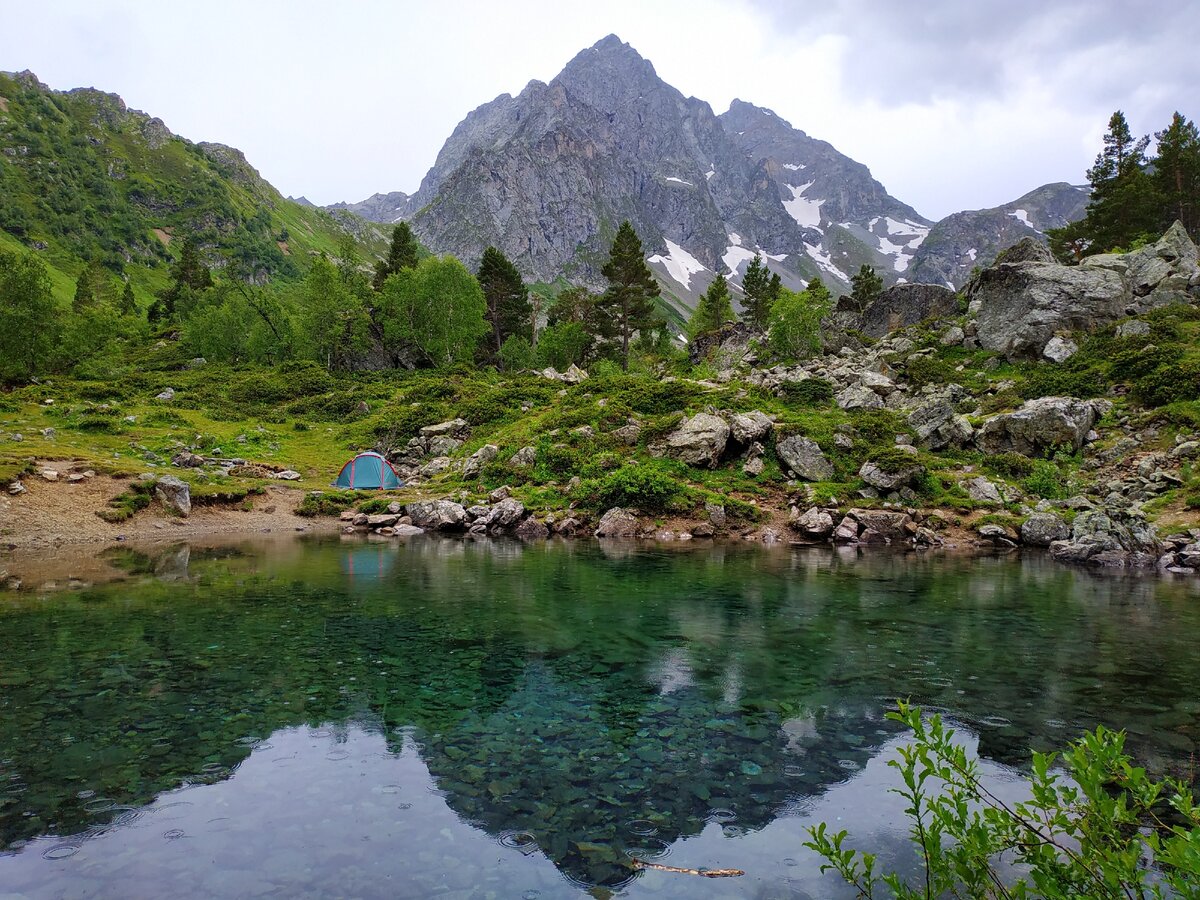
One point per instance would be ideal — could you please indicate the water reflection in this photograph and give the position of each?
(568, 707)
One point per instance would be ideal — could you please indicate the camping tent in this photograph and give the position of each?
(368, 471)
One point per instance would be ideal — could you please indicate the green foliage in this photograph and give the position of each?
(714, 309)
(563, 345)
(402, 254)
(1102, 829)
(1177, 172)
(328, 503)
(508, 310)
(927, 369)
(30, 325)
(1169, 383)
(795, 321)
(1047, 480)
(760, 290)
(879, 426)
(866, 286)
(123, 506)
(813, 392)
(893, 459)
(1008, 464)
(517, 354)
(629, 299)
(436, 308)
(649, 487)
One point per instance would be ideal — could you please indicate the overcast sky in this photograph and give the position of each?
(953, 104)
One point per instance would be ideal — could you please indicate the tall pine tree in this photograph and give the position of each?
(757, 292)
(402, 254)
(1122, 208)
(189, 275)
(1177, 174)
(508, 310)
(629, 299)
(865, 287)
(128, 301)
(714, 309)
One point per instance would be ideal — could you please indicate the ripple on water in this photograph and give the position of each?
(995, 722)
(337, 755)
(849, 765)
(648, 850)
(61, 851)
(100, 805)
(721, 815)
(174, 834)
(518, 840)
(643, 827)
(793, 771)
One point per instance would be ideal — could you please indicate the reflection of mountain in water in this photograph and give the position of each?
(592, 780)
(565, 692)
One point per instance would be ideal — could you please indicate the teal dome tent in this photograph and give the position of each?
(368, 471)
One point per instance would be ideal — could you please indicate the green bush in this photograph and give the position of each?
(647, 487)
(328, 503)
(923, 370)
(813, 392)
(1048, 481)
(1102, 828)
(1008, 464)
(878, 426)
(893, 459)
(1169, 384)
(123, 506)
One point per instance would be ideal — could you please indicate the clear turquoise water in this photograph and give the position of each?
(454, 719)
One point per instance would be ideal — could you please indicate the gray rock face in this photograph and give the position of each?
(456, 428)
(505, 514)
(532, 530)
(903, 305)
(1041, 425)
(525, 458)
(981, 490)
(745, 428)
(938, 426)
(815, 524)
(888, 525)
(1043, 529)
(804, 457)
(437, 515)
(698, 441)
(174, 494)
(1108, 537)
(964, 240)
(617, 523)
(1019, 306)
(883, 480)
(474, 464)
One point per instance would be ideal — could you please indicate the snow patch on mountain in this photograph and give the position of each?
(736, 254)
(1023, 217)
(806, 212)
(795, 167)
(679, 181)
(825, 262)
(680, 264)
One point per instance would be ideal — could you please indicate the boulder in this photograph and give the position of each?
(1043, 529)
(437, 515)
(891, 526)
(617, 523)
(287, 475)
(628, 434)
(1060, 349)
(753, 467)
(442, 445)
(1027, 249)
(185, 459)
(1040, 425)
(716, 514)
(174, 494)
(1133, 328)
(903, 305)
(1020, 304)
(435, 466)
(746, 428)
(49, 474)
(723, 347)
(846, 532)
(996, 535)
(406, 531)
(938, 426)
(981, 490)
(804, 457)
(698, 441)
(574, 375)
(473, 465)
(525, 458)
(532, 530)
(505, 514)
(815, 524)
(382, 520)
(457, 428)
(892, 478)
(858, 396)
(15, 488)
(1108, 537)
(168, 394)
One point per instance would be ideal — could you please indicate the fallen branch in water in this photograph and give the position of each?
(703, 873)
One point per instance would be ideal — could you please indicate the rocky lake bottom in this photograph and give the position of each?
(323, 716)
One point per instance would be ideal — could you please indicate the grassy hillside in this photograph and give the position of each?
(85, 179)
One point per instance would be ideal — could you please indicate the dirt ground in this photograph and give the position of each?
(57, 513)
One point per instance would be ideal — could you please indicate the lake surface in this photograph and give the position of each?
(453, 719)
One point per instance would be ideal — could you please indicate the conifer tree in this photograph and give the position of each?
(1177, 173)
(629, 299)
(1122, 207)
(128, 301)
(866, 286)
(402, 254)
(189, 275)
(508, 310)
(84, 294)
(756, 288)
(714, 309)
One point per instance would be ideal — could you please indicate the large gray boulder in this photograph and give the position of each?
(804, 457)
(745, 428)
(815, 524)
(174, 494)
(505, 514)
(938, 426)
(890, 478)
(903, 305)
(698, 441)
(474, 464)
(617, 523)
(1109, 537)
(437, 515)
(1020, 303)
(1043, 529)
(1040, 425)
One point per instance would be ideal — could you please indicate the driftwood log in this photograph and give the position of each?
(703, 873)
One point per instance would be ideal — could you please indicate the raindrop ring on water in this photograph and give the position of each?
(721, 815)
(643, 827)
(61, 851)
(649, 849)
(519, 840)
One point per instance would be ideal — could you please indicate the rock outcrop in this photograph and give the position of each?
(1022, 302)
(1041, 425)
(617, 523)
(698, 441)
(174, 493)
(804, 457)
(903, 305)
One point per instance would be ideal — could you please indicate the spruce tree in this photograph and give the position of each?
(402, 254)
(1122, 208)
(84, 295)
(1177, 174)
(128, 301)
(756, 288)
(866, 286)
(714, 309)
(508, 310)
(189, 275)
(629, 299)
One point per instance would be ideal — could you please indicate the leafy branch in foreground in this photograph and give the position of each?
(1104, 829)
